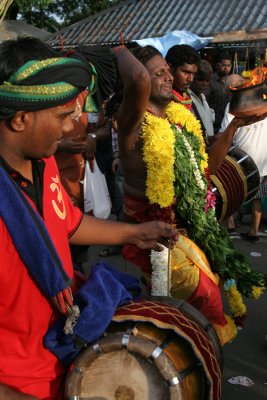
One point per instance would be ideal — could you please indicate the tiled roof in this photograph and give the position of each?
(139, 19)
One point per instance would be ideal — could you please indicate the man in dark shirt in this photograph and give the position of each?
(218, 94)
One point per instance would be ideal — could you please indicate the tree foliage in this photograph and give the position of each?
(71, 11)
(51, 15)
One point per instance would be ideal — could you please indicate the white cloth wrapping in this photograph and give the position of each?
(160, 274)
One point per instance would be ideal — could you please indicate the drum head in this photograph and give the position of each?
(122, 375)
(136, 360)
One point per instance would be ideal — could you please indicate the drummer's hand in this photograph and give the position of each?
(149, 234)
(239, 122)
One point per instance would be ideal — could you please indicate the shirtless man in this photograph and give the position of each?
(146, 103)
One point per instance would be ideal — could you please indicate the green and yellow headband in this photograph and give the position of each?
(43, 84)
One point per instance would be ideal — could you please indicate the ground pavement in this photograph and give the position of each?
(247, 355)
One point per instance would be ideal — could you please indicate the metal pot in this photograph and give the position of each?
(249, 101)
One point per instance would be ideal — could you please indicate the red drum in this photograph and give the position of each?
(235, 183)
(155, 349)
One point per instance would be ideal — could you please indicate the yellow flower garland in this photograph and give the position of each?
(257, 292)
(236, 303)
(180, 115)
(158, 151)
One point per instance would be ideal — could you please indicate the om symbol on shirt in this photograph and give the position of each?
(58, 206)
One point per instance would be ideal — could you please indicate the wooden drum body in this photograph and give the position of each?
(151, 351)
(235, 183)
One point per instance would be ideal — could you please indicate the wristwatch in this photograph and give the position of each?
(93, 135)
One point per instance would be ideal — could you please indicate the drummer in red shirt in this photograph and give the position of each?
(38, 92)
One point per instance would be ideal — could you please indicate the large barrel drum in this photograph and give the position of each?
(154, 349)
(235, 183)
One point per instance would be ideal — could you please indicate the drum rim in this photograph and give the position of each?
(210, 331)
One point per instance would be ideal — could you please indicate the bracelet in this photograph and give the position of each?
(93, 135)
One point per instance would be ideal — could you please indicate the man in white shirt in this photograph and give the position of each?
(253, 140)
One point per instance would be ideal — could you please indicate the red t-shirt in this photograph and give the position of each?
(25, 314)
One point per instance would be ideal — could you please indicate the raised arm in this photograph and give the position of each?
(136, 91)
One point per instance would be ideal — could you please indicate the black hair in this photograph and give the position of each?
(15, 53)
(104, 62)
(204, 70)
(223, 56)
(144, 54)
(181, 54)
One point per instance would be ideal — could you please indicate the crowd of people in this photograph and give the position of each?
(157, 128)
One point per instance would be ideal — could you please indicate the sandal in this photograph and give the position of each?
(250, 238)
(109, 251)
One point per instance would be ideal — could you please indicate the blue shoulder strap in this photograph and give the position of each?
(31, 238)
